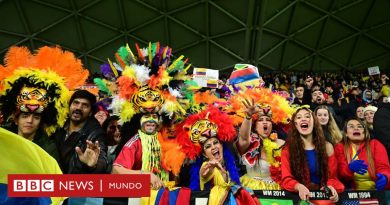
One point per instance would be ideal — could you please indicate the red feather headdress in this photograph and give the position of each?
(188, 148)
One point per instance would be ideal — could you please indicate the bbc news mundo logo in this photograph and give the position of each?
(80, 185)
(22, 185)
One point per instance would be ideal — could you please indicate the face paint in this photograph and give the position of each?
(149, 123)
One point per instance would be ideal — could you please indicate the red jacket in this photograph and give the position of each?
(379, 155)
(289, 181)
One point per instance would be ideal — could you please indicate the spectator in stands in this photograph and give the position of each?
(34, 89)
(349, 104)
(360, 113)
(369, 113)
(317, 98)
(385, 90)
(204, 139)
(329, 88)
(136, 157)
(81, 142)
(101, 112)
(214, 173)
(382, 125)
(367, 97)
(308, 161)
(362, 163)
(318, 80)
(299, 90)
(258, 148)
(307, 91)
(331, 130)
(112, 129)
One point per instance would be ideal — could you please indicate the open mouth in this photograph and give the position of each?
(265, 127)
(304, 126)
(356, 133)
(216, 154)
(76, 112)
(318, 99)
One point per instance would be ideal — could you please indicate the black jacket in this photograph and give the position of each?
(69, 160)
(382, 125)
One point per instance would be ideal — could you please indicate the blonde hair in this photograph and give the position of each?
(369, 108)
(332, 127)
(347, 145)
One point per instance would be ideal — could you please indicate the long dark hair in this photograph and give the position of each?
(298, 161)
(106, 123)
(128, 130)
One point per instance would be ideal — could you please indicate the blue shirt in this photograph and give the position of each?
(311, 157)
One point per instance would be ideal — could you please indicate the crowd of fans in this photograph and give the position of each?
(336, 138)
(342, 93)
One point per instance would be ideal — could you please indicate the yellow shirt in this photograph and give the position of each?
(220, 190)
(362, 182)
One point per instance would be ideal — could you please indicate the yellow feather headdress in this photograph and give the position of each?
(52, 69)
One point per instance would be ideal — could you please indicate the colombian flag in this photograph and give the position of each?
(243, 73)
(21, 156)
(201, 71)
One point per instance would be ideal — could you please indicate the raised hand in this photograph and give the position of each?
(250, 107)
(309, 82)
(358, 166)
(91, 154)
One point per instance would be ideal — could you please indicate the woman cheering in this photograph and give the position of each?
(308, 161)
(363, 163)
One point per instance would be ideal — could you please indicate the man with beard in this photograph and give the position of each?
(142, 153)
(81, 142)
(317, 98)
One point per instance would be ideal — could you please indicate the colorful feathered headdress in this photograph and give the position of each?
(107, 83)
(264, 99)
(195, 130)
(40, 83)
(149, 80)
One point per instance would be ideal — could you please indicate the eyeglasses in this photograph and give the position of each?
(360, 127)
